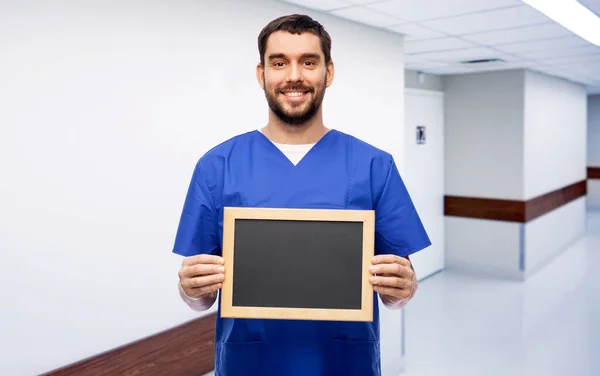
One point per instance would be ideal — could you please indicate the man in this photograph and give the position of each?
(296, 162)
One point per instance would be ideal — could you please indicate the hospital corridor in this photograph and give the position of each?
(300, 188)
(547, 325)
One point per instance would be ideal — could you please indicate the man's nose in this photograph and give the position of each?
(295, 73)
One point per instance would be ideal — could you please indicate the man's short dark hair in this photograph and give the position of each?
(295, 24)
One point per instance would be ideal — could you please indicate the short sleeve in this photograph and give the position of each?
(398, 227)
(197, 232)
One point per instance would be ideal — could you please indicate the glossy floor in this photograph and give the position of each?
(548, 325)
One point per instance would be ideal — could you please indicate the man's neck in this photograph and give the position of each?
(282, 133)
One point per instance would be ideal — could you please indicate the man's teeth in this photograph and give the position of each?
(294, 94)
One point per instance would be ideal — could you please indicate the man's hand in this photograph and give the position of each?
(202, 275)
(395, 280)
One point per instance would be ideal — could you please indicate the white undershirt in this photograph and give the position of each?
(295, 153)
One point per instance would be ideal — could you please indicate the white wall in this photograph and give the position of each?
(484, 125)
(555, 134)
(105, 108)
(593, 194)
(593, 118)
(547, 236)
(513, 135)
(593, 147)
(483, 247)
(484, 159)
(555, 157)
(429, 81)
(512, 250)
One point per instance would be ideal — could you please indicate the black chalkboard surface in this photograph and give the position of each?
(302, 264)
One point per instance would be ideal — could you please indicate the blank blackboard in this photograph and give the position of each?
(305, 264)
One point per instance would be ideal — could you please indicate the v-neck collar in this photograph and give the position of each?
(312, 150)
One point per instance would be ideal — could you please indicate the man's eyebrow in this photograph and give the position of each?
(311, 56)
(276, 56)
(304, 56)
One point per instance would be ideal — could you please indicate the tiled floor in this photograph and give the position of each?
(548, 325)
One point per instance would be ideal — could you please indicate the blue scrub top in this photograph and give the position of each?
(339, 172)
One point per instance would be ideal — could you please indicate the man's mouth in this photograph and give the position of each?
(295, 94)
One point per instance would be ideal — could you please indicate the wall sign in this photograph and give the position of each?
(421, 137)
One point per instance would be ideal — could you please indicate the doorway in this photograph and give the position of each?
(424, 172)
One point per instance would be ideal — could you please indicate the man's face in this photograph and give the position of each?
(294, 76)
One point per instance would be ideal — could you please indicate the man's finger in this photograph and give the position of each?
(203, 259)
(390, 291)
(200, 270)
(390, 259)
(197, 292)
(391, 282)
(393, 269)
(201, 282)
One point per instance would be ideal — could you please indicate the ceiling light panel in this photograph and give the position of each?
(572, 15)
(488, 21)
(429, 9)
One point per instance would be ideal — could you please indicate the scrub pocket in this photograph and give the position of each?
(241, 358)
(353, 358)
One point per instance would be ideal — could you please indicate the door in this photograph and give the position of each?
(424, 172)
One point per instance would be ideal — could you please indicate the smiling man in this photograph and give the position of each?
(295, 161)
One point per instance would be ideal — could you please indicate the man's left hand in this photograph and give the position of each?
(394, 279)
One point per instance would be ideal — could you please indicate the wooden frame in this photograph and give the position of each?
(366, 217)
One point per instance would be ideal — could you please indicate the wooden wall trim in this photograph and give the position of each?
(187, 349)
(543, 204)
(593, 173)
(484, 208)
(511, 210)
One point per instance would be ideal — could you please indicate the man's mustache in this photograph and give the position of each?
(296, 88)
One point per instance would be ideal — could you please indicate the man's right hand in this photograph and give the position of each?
(202, 275)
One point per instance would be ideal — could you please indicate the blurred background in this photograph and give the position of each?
(491, 109)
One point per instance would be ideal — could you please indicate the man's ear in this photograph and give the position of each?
(330, 73)
(260, 75)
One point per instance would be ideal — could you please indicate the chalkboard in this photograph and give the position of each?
(302, 264)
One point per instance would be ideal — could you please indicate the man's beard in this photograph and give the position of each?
(296, 118)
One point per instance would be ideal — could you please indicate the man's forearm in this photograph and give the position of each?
(200, 304)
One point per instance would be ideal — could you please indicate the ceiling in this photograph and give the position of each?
(440, 35)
